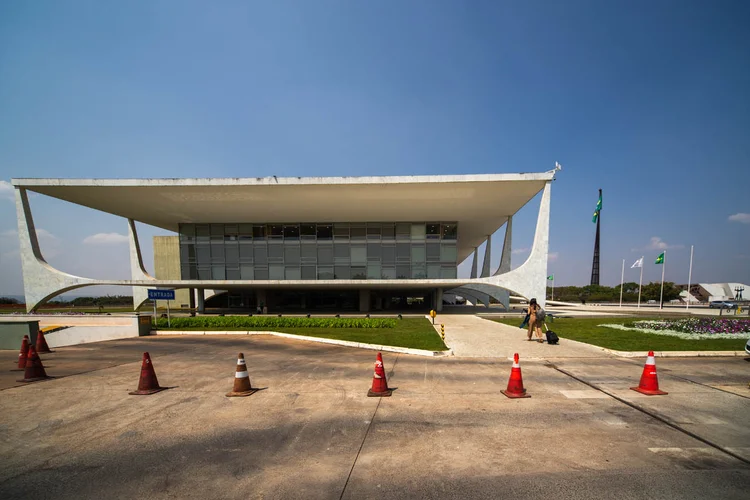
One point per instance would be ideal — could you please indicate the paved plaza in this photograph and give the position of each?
(447, 431)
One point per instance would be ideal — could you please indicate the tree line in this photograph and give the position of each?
(105, 301)
(599, 293)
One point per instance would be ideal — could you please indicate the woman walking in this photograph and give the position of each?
(533, 321)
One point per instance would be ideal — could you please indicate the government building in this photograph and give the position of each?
(318, 244)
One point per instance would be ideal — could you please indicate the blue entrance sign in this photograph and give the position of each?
(154, 294)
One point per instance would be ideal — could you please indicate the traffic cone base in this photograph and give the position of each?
(34, 368)
(384, 394)
(148, 383)
(242, 387)
(649, 384)
(515, 382)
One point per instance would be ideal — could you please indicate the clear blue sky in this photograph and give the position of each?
(647, 100)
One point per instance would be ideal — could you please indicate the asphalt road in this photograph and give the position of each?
(446, 432)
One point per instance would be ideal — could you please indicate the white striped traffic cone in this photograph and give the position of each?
(242, 385)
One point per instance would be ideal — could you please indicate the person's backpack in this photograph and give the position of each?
(540, 314)
(552, 337)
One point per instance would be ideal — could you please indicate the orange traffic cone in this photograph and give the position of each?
(147, 384)
(34, 367)
(515, 383)
(41, 343)
(241, 385)
(649, 384)
(22, 355)
(379, 382)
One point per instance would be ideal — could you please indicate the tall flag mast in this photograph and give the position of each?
(597, 219)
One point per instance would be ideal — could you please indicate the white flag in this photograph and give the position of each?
(637, 263)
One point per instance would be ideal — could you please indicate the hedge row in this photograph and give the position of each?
(216, 322)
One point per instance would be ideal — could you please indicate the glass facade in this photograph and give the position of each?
(319, 251)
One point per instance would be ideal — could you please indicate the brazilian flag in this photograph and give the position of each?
(660, 259)
(598, 209)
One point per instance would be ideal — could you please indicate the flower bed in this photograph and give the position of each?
(692, 328)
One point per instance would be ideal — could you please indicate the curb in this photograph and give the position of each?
(320, 340)
(663, 354)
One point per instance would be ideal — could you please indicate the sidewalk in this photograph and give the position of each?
(473, 337)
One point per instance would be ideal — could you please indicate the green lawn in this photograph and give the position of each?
(416, 333)
(587, 330)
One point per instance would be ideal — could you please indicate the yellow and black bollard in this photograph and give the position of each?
(442, 331)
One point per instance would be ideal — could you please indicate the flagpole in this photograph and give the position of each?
(640, 283)
(661, 294)
(553, 287)
(622, 280)
(690, 277)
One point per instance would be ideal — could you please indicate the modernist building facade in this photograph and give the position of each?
(296, 244)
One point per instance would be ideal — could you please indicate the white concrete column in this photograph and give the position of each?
(201, 301)
(439, 300)
(474, 264)
(41, 281)
(487, 257)
(137, 271)
(507, 250)
(364, 300)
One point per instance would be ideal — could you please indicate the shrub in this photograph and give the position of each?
(254, 322)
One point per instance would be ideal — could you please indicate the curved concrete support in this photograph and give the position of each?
(529, 279)
(503, 296)
(487, 257)
(467, 294)
(473, 274)
(137, 271)
(41, 281)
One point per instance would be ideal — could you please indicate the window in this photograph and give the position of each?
(389, 254)
(217, 273)
(293, 273)
(341, 231)
(433, 271)
(342, 272)
(276, 272)
(261, 273)
(261, 254)
(231, 232)
(275, 253)
(187, 232)
(417, 254)
(291, 254)
(341, 252)
(325, 254)
(403, 231)
(374, 252)
(448, 273)
(418, 272)
(359, 254)
(450, 231)
(202, 233)
(359, 272)
(246, 272)
(325, 273)
(203, 254)
(373, 271)
(233, 272)
(308, 272)
(246, 232)
(232, 254)
(388, 273)
(358, 232)
(259, 232)
(417, 232)
(217, 232)
(433, 231)
(307, 231)
(402, 272)
(217, 251)
(291, 232)
(373, 231)
(204, 272)
(433, 252)
(246, 252)
(403, 252)
(276, 231)
(309, 253)
(388, 231)
(448, 253)
(325, 231)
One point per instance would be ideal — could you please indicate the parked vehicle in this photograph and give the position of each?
(722, 304)
(747, 347)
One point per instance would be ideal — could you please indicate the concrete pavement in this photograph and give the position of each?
(446, 432)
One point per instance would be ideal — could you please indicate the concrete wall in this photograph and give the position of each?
(167, 267)
(82, 329)
(85, 334)
(12, 332)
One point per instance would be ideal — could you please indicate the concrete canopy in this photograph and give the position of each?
(480, 204)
